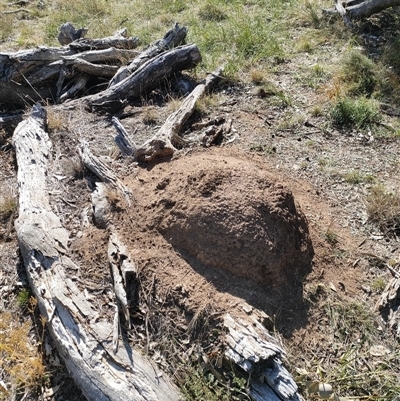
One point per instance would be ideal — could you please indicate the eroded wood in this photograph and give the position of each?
(83, 338)
(162, 143)
(144, 79)
(172, 38)
(250, 346)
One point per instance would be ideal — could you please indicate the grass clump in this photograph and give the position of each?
(20, 361)
(383, 208)
(360, 73)
(8, 205)
(199, 386)
(357, 177)
(351, 321)
(359, 113)
(6, 27)
(210, 11)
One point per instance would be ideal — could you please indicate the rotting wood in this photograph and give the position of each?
(147, 77)
(31, 75)
(83, 339)
(162, 143)
(68, 33)
(357, 9)
(121, 265)
(97, 167)
(117, 257)
(250, 346)
(42, 74)
(48, 72)
(99, 70)
(11, 120)
(118, 41)
(172, 38)
(125, 144)
(78, 85)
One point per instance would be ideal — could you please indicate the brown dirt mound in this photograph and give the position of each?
(228, 213)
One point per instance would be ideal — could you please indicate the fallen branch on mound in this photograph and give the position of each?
(162, 143)
(83, 337)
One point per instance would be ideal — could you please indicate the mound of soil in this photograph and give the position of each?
(228, 213)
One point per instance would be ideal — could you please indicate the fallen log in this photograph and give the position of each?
(98, 168)
(44, 74)
(388, 304)
(143, 80)
(162, 143)
(172, 38)
(82, 336)
(31, 75)
(125, 144)
(358, 9)
(73, 37)
(250, 346)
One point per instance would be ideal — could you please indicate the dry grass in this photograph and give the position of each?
(20, 361)
(383, 208)
(8, 205)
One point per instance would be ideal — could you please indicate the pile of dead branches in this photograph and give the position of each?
(105, 73)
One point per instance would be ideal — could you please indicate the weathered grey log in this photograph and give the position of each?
(14, 66)
(83, 338)
(126, 145)
(48, 72)
(98, 168)
(78, 85)
(172, 38)
(29, 76)
(119, 261)
(68, 33)
(98, 70)
(162, 143)
(250, 346)
(357, 9)
(10, 120)
(118, 41)
(389, 303)
(144, 79)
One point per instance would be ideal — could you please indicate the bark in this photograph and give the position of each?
(45, 74)
(172, 38)
(144, 79)
(117, 41)
(357, 9)
(32, 75)
(98, 168)
(162, 143)
(125, 144)
(83, 339)
(250, 346)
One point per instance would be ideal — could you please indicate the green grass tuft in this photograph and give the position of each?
(360, 73)
(359, 113)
